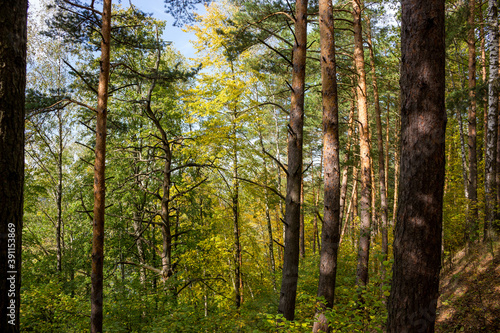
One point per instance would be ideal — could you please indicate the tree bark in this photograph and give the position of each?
(345, 169)
(302, 248)
(472, 181)
(13, 20)
(417, 243)
(492, 120)
(238, 285)
(295, 138)
(381, 157)
(59, 193)
(96, 296)
(330, 237)
(364, 150)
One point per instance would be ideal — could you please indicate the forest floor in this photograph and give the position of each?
(470, 292)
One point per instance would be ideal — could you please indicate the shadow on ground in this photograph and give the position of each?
(470, 292)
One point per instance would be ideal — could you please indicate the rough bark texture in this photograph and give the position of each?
(417, 242)
(292, 211)
(364, 150)
(472, 183)
(491, 136)
(330, 237)
(96, 296)
(13, 18)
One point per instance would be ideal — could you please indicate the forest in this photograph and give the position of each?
(316, 166)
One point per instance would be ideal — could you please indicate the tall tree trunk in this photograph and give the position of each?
(472, 183)
(295, 130)
(59, 193)
(347, 153)
(397, 151)
(481, 147)
(270, 243)
(238, 284)
(364, 150)
(491, 136)
(13, 18)
(96, 296)
(137, 225)
(381, 156)
(302, 248)
(417, 243)
(330, 237)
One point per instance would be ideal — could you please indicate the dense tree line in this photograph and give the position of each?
(312, 168)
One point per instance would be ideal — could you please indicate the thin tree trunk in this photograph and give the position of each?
(302, 249)
(397, 150)
(345, 169)
(59, 193)
(472, 192)
(96, 296)
(270, 245)
(137, 225)
(482, 146)
(381, 158)
(295, 130)
(13, 18)
(491, 137)
(417, 243)
(330, 238)
(238, 285)
(364, 150)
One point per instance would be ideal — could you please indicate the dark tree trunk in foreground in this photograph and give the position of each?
(13, 18)
(99, 175)
(472, 183)
(330, 238)
(292, 211)
(417, 240)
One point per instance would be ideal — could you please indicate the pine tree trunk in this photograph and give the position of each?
(472, 215)
(330, 238)
(417, 243)
(492, 120)
(381, 157)
(13, 18)
(295, 139)
(364, 150)
(96, 296)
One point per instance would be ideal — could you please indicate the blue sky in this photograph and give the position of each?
(179, 38)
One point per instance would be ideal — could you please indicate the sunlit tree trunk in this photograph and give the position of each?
(13, 20)
(364, 149)
(59, 192)
(302, 249)
(492, 120)
(417, 241)
(96, 295)
(381, 156)
(347, 154)
(330, 238)
(295, 139)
